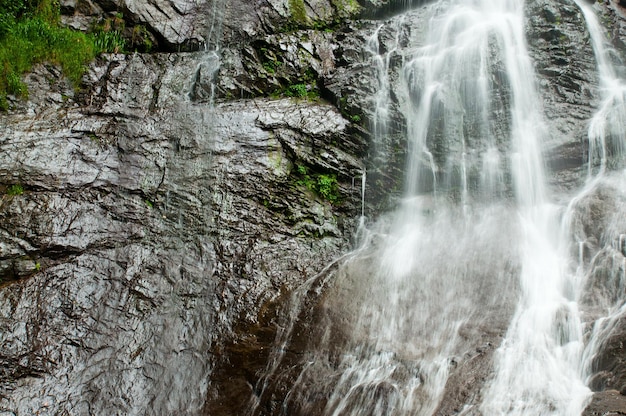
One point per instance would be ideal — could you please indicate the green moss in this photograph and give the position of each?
(307, 182)
(141, 39)
(324, 185)
(346, 8)
(296, 90)
(298, 11)
(299, 90)
(271, 66)
(15, 189)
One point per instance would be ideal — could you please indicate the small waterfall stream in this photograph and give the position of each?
(478, 264)
(607, 149)
(607, 128)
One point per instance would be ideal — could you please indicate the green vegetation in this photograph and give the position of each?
(286, 83)
(346, 7)
(15, 189)
(324, 185)
(108, 35)
(109, 41)
(140, 39)
(30, 34)
(348, 112)
(327, 187)
(271, 66)
(298, 10)
(305, 87)
(304, 179)
(343, 9)
(296, 90)
(270, 62)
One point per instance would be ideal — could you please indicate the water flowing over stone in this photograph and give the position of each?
(603, 277)
(476, 242)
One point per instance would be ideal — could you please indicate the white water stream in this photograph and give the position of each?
(607, 151)
(477, 254)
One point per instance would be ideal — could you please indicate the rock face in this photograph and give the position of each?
(154, 222)
(566, 66)
(148, 225)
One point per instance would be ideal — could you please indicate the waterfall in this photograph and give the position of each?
(606, 164)
(477, 265)
(536, 366)
(607, 128)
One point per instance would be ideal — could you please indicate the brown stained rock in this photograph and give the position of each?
(606, 403)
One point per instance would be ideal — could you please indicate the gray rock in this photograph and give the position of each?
(608, 403)
(178, 23)
(149, 225)
(565, 64)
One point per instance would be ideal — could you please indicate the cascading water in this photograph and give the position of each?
(607, 149)
(477, 256)
(607, 129)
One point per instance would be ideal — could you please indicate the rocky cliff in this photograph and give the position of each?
(153, 221)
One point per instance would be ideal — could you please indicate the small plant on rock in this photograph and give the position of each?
(298, 10)
(15, 189)
(324, 185)
(327, 187)
(296, 90)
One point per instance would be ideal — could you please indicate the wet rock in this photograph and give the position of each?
(609, 366)
(608, 403)
(179, 24)
(613, 18)
(386, 8)
(597, 228)
(148, 226)
(598, 233)
(566, 67)
(468, 377)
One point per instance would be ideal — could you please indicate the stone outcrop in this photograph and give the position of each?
(148, 225)
(565, 63)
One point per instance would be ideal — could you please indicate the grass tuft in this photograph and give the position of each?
(30, 34)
